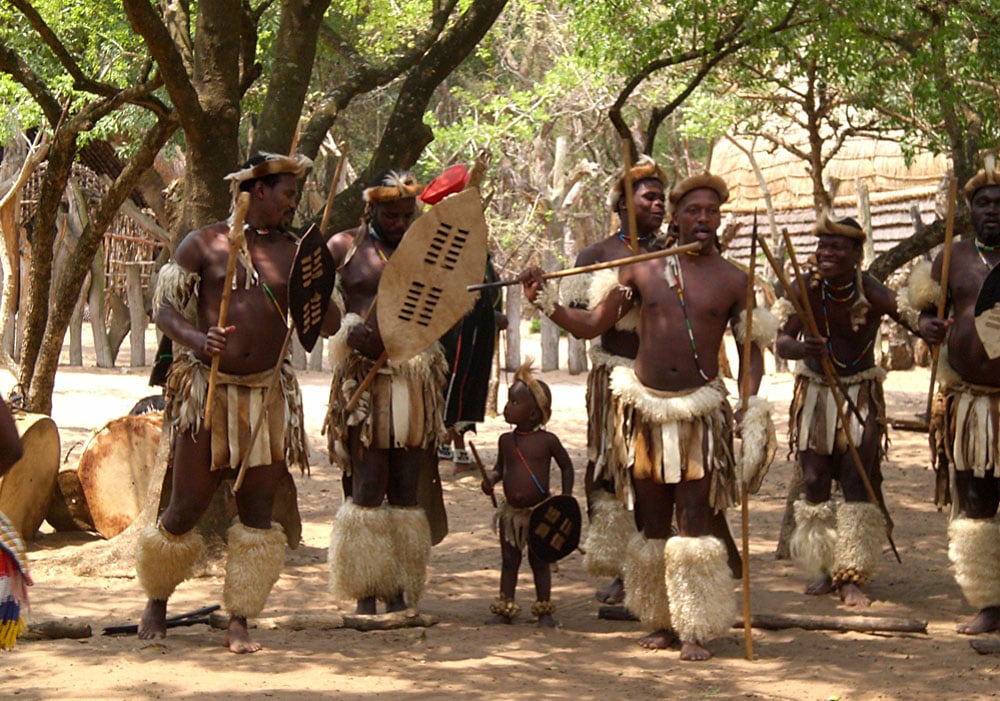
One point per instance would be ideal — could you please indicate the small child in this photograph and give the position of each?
(523, 460)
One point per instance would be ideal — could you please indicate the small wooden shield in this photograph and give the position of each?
(310, 286)
(422, 294)
(988, 314)
(554, 528)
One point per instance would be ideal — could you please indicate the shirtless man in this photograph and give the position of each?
(675, 407)
(970, 381)
(524, 462)
(611, 524)
(839, 545)
(381, 539)
(248, 348)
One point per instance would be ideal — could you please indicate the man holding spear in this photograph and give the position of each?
(194, 291)
(969, 374)
(679, 426)
(839, 545)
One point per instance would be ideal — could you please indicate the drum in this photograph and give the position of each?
(26, 490)
(554, 528)
(115, 467)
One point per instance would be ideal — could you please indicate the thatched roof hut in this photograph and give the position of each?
(897, 188)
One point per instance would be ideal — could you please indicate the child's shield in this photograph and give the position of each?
(554, 528)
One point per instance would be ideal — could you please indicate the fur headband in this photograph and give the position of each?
(542, 398)
(644, 169)
(395, 185)
(273, 164)
(989, 176)
(845, 227)
(697, 182)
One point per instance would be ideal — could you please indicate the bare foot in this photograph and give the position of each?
(612, 594)
(987, 620)
(851, 594)
(238, 637)
(497, 619)
(153, 623)
(366, 607)
(658, 639)
(823, 585)
(546, 621)
(693, 652)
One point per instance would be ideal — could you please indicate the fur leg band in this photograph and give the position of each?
(611, 527)
(814, 539)
(860, 529)
(412, 540)
(164, 560)
(256, 558)
(542, 608)
(362, 557)
(974, 551)
(646, 589)
(700, 587)
(505, 607)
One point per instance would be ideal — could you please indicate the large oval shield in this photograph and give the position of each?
(422, 294)
(988, 314)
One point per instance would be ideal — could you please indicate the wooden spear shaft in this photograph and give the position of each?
(628, 260)
(839, 394)
(949, 236)
(633, 235)
(482, 470)
(235, 239)
(744, 402)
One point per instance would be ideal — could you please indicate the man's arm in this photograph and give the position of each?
(582, 323)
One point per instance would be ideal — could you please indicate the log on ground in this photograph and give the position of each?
(861, 624)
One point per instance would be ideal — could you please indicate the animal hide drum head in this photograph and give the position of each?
(422, 292)
(310, 285)
(988, 314)
(554, 528)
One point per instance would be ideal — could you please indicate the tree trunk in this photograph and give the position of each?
(298, 354)
(137, 315)
(513, 359)
(76, 332)
(316, 357)
(576, 358)
(98, 314)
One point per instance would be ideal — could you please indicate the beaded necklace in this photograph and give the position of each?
(984, 247)
(524, 461)
(377, 242)
(827, 294)
(627, 239)
(676, 268)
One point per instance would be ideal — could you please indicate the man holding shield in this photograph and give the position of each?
(679, 426)
(381, 537)
(189, 298)
(969, 374)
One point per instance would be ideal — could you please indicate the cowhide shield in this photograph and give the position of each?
(422, 294)
(554, 528)
(988, 314)
(310, 286)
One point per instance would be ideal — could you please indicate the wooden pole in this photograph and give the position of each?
(662, 253)
(744, 402)
(482, 470)
(633, 235)
(235, 241)
(333, 188)
(949, 236)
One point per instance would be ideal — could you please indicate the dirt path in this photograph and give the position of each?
(586, 658)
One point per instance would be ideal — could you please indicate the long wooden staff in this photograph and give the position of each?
(370, 377)
(744, 403)
(633, 235)
(236, 240)
(272, 387)
(949, 235)
(482, 470)
(628, 260)
(804, 310)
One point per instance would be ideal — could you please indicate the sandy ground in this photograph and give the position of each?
(585, 658)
